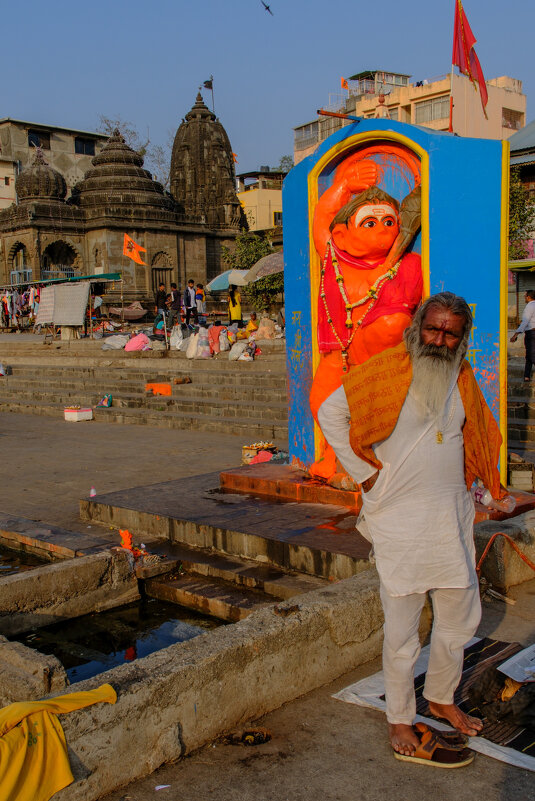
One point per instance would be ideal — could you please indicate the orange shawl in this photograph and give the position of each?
(376, 391)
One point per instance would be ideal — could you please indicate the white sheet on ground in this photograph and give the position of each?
(367, 692)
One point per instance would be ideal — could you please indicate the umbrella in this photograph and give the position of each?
(224, 280)
(267, 265)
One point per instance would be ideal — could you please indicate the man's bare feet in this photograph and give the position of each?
(403, 738)
(458, 719)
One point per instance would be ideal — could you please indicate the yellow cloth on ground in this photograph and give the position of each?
(33, 751)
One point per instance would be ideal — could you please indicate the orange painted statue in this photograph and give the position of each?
(369, 287)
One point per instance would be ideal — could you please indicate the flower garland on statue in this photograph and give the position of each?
(372, 294)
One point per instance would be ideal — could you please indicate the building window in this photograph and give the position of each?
(436, 109)
(394, 113)
(512, 119)
(84, 147)
(39, 139)
(6, 181)
(277, 218)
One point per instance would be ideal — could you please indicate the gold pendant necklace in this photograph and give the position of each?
(439, 435)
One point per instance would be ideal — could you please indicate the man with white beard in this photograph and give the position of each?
(411, 427)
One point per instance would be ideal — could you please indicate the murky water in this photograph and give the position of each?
(88, 645)
(15, 562)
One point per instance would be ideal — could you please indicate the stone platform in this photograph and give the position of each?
(314, 538)
(273, 515)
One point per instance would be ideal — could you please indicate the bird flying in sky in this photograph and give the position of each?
(267, 7)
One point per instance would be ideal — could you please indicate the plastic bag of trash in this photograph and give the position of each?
(191, 351)
(176, 338)
(115, 342)
(236, 350)
(224, 344)
(266, 329)
(203, 345)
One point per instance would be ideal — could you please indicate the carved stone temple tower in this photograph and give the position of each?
(203, 180)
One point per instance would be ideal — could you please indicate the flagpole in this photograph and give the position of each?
(212, 90)
(450, 128)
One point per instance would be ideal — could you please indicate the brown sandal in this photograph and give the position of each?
(449, 739)
(436, 753)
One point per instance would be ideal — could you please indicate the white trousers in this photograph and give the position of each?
(457, 613)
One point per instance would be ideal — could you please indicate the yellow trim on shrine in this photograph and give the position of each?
(351, 143)
(502, 344)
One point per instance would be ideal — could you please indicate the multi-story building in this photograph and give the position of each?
(8, 173)
(260, 194)
(66, 149)
(424, 102)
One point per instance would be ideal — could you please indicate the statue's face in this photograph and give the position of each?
(369, 233)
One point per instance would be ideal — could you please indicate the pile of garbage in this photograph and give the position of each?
(204, 342)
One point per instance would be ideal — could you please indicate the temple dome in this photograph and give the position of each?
(117, 177)
(40, 181)
(203, 180)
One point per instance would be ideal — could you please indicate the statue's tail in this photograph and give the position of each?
(410, 217)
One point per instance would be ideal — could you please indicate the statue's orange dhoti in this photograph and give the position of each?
(369, 287)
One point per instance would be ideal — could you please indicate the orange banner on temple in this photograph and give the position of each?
(343, 83)
(133, 250)
(464, 56)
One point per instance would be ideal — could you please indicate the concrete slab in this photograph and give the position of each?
(316, 539)
(70, 588)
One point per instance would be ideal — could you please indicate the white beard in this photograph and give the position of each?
(433, 373)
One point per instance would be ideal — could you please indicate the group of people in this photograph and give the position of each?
(191, 305)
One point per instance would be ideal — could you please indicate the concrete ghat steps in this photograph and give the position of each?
(246, 427)
(217, 391)
(233, 397)
(245, 573)
(209, 596)
(314, 539)
(273, 411)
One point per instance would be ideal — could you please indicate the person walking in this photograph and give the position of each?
(200, 300)
(160, 299)
(190, 303)
(411, 426)
(527, 327)
(174, 306)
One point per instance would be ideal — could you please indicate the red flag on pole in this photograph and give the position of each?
(343, 83)
(132, 250)
(464, 56)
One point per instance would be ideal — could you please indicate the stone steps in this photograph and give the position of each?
(274, 411)
(247, 399)
(232, 391)
(209, 596)
(244, 573)
(249, 428)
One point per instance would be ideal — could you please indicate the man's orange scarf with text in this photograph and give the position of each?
(376, 391)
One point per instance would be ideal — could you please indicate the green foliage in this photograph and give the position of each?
(263, 293)
(248, 249)
(521, 216)
(285, 164)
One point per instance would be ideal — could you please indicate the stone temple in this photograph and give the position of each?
(44, 235)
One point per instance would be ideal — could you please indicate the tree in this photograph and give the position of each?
(157, 158)
(263, 293)
(521, 216)
(285, 164)
(248, 249)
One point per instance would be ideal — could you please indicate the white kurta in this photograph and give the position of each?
(418, 514)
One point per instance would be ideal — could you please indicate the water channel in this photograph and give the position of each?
(89, 645)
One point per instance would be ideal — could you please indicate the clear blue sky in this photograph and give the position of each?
(66, 63)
